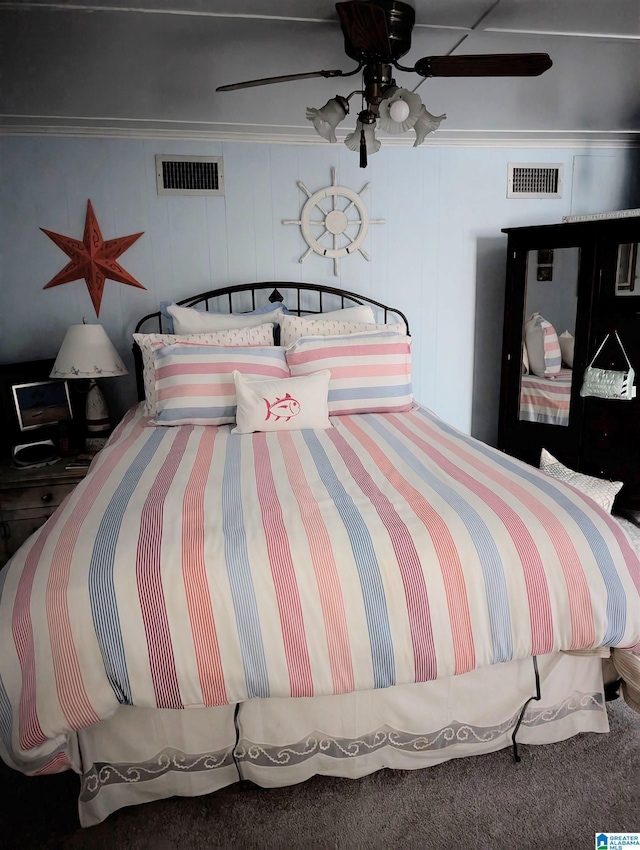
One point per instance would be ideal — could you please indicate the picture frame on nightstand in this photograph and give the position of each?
(39, 404)
(13, 406)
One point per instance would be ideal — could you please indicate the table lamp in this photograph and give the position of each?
(87, 352)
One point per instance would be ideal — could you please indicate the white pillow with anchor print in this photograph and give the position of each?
(283, 404)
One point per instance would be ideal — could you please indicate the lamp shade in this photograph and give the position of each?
(426, 124)
(352, 141)
(87, 352)
(326, 119)
(402, 103)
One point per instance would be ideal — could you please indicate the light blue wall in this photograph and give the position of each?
(439, 257)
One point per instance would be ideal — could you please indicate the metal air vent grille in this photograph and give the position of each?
(189, 175)
(534, 180)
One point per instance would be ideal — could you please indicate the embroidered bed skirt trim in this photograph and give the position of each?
(147, 754)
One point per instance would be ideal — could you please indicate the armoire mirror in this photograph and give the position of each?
(551, 301)
(584, 283)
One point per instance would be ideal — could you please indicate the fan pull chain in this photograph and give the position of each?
(363, 149)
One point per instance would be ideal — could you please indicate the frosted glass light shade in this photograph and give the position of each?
(87, 352)
(426, 124)
(352, 141)
(326, 119)
(400, 102)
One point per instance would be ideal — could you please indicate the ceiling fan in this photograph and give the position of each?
(377, 33)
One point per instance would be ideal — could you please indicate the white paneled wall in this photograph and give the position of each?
(439, 203)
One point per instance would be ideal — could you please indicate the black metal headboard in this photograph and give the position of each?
(300, 299)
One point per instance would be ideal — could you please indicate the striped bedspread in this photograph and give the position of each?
(546, 400)
(193, 567)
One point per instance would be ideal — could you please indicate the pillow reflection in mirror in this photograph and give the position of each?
(543, 347)
(567, 343)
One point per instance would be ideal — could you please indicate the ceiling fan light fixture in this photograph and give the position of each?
(401, 104)
(377, 33)
(353, 139)
(426, 124)
(326, 119)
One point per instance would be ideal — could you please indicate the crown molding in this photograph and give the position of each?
(59, 126)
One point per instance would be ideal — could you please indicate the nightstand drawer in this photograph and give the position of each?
(44, 495)
(28, 497)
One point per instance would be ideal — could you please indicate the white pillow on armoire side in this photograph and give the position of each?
(599, 489)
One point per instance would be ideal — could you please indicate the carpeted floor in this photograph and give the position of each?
(558, 796)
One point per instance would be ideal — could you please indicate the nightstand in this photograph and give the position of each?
(29, 496)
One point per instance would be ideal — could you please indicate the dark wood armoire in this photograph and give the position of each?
(583, 277)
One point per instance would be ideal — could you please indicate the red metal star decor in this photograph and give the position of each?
(93, 259)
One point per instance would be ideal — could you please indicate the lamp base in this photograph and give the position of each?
(95, 444)
(96, 410)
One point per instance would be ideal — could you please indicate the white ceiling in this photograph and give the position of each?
(150, 67)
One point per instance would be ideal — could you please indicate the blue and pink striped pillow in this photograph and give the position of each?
(543, 347)
(260, 335)
(370, 372)
(194, 383)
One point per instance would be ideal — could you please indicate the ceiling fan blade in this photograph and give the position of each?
(485, 65)
(364, 25)
(266, 81)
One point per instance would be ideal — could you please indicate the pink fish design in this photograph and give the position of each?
(282, 408)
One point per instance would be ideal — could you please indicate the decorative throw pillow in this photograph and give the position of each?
(289, 404)
(567, 343)
(194, 383)
(190, 320)
(543, 347)
(260, 335)
(370, 372)
(599, 489)
(293, 328)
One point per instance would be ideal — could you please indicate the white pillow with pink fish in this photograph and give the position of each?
(282, 404)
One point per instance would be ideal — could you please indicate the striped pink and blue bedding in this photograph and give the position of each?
(370, 372)
(194, 383)
(193, 567)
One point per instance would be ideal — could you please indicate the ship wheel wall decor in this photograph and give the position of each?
(340, 229)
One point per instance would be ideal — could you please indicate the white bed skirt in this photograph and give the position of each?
(140, 754)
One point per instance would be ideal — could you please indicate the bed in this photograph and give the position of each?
(546, 400)
(218, 601)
